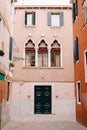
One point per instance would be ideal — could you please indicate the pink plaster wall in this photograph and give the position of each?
(63, 35)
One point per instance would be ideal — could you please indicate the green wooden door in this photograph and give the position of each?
(42, 101)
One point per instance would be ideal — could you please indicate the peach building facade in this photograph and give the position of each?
(80, 58)
(43, 73)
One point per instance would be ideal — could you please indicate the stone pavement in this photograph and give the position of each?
(42, 123)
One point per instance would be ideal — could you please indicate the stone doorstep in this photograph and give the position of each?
(41, 117)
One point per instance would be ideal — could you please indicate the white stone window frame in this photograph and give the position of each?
(77, 92)
(49, 57)
(45, 57)
(28, 54)
(57, 17)
(61, 57)
(30, 19)
(85, 65)
(84, 12)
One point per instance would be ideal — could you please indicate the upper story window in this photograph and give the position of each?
(75, 10)
(42, 54)
(30, 18)
(76, 50)
(55, 54)
(85, 63)
(55, 19)
(30, 53)
(84, 11)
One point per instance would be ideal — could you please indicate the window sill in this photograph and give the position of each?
(78, 103)
(31, 67)
(8, 102)
(55, 26)
(32, 26)
(76, 62)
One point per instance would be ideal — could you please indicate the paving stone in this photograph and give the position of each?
(43, 125)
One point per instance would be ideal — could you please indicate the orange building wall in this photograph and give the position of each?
(3, 86)
(79, 75)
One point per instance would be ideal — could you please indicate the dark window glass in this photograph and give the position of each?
(75, 10)
(76, 50)
(78, 93)
(8, 91)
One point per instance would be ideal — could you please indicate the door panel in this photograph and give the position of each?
(38, 104)
(42, 100)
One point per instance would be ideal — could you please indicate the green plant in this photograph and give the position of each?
(2, 53)
(11, 64)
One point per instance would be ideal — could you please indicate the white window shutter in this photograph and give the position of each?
(61, 18)
(49, 18)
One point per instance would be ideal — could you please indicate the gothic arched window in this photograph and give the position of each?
(30, 53)
(55, 54)
(42, 54)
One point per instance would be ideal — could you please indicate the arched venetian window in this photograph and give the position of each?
(55, 54)
(42, 54)
(30, 53)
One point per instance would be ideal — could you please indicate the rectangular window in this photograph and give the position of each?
(8, 91)
(76, 50)
(84, 12)
(55, 19)
(75, 10)
(85, 62)
(30, 18)
(10, 48)
(78, 92)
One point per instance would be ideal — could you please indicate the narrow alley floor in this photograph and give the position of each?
(48, 123)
